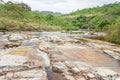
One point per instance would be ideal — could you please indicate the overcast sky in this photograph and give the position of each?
(63, 6)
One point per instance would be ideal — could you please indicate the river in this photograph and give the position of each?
(63, 51)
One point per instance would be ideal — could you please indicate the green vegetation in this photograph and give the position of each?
(18, 16)
(113, 33)
(105, 18)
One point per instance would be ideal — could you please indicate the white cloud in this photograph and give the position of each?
(64, 6)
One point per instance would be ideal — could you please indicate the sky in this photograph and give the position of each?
(63, 6)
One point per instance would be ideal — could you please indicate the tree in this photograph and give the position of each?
(25, 6)
(80, 21)
(102, 24)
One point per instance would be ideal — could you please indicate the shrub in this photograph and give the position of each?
(113, 33)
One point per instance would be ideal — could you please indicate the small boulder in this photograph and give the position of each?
(91, 76)
(75, 70)
(16, 37)
(59, 67)
(68, 77)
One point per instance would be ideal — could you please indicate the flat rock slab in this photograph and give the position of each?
(23, 51)
(113, 54)
(12, 60)
(36, 74)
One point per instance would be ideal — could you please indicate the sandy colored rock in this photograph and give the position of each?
(23, 51)
(113, 54)
(12, 60)
(59, 67)
(68, 77)
(17, 36)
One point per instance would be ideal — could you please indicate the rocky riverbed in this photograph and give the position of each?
(57, 56)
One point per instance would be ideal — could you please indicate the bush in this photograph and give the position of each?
(113, 33)
(102, 25)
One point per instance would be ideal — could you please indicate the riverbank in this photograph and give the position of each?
(55, 55)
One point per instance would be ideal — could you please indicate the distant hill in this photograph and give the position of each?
(50, 12)
(97, 17)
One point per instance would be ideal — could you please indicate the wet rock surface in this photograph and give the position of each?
(57, 56)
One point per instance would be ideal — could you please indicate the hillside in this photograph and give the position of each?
(95, 16)
(105, 18)
(14, 17)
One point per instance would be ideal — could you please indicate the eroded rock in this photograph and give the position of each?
(59, 67)
(113, 54)
(17, 36)
(68, 77)
(72, 59)
(12, 60)
(105, 74)
(75, 70)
